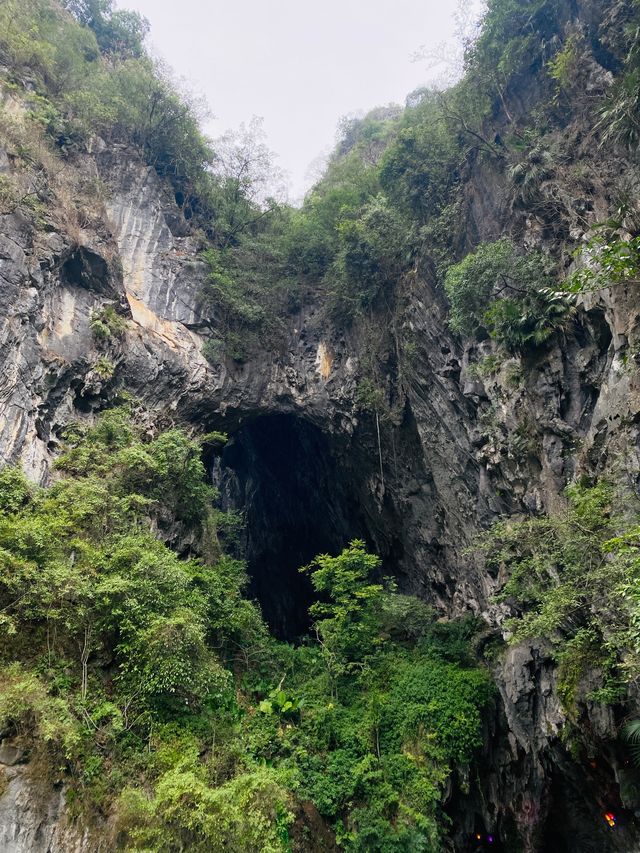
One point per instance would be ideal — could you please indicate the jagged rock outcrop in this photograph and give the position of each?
(33, 812)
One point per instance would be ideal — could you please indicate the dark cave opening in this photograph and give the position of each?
(295, 487)
(581, 800)
(86, 268)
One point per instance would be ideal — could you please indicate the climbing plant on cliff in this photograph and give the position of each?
(572, 578)
(510, 295)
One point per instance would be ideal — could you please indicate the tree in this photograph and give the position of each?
(250, 186)
(371, 256)
(573, 579)
(139, 102)
(118, 31)
(419, 169)
(348, 625)
(368, 134)
(449, 57)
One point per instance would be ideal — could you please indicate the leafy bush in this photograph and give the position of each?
(107, 323)
(574, 577)
(8, 195)
(40, 35)
(370, 258)
(619, 117)
(138, 102)
(562, 67)
(440, 699)
(27, 708)
(510, 41)
(388, 707)
(506, 294)
(228, 293)
(608, 259)
(313, 236)
(104, 367)
(418, 171)
(117, 31)
(248, 814)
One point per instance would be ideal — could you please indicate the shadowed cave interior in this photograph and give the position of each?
(299, 499)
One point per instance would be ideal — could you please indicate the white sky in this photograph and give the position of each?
(299, 65)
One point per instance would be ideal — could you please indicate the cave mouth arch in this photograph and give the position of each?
(297, 490)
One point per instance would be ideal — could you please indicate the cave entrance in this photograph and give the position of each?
(293, 485)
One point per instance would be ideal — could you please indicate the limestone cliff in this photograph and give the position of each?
(312, 468)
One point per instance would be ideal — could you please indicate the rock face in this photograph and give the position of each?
(32, 815)
(312, 468)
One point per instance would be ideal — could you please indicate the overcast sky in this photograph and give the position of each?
(299, 65)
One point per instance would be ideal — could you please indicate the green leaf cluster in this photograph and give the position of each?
(609, 258)
(107, 323)
(572, 578)
(511, 296)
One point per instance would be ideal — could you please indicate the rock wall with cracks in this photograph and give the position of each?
(418, 485)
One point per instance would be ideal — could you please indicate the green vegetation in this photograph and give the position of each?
(107, 323)
(79, 93)
(562, 67)
(104, 367)
(619, 119)
(508, 295)
(609, 259)
(118, 32)
(388, 204)
(244, 294)
(573, 576)
(152, 685)
(371, 257)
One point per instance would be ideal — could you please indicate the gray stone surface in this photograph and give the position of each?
(32, 818)
(10, 754)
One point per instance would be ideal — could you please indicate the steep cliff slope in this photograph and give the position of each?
(379, 422)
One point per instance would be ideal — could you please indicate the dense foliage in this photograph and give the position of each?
(572, 579)
(508, 295)
(79, 92)
(151, 683)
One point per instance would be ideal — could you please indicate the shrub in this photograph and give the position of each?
(118, 32)
(574, 577)
(418, 171)
(27, 709)
(107, 323)
(619, 116)
(248, 814)
(508, 295)
(104, 368)
(370, 259)
(609, 258)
